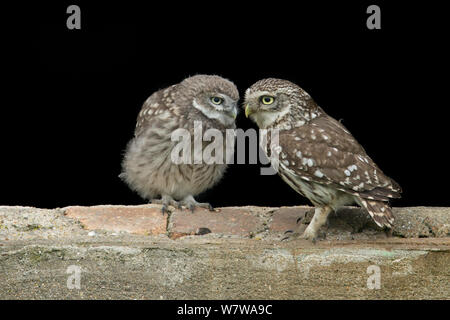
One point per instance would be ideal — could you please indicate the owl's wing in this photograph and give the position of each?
(324, 151)
(159, 112)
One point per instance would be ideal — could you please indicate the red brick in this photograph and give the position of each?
(133, 219)
(285, 218)
(229, 221)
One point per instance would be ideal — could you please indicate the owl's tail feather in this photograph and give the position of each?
(380, 194)
(380, 212)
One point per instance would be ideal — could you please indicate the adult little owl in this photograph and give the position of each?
(317, 155)
(148, 167)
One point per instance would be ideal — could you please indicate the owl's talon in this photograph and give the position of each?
(165, 201)
(307, 235)
(290, 235)
(313, 237)
(190, 203)
(299, 219)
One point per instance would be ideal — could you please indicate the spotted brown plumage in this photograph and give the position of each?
(317, 155)
(147, 166)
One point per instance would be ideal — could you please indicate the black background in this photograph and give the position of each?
(169, 308)
(77, 100)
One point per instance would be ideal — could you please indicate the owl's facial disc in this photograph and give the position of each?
(264, 108)
(217, 106)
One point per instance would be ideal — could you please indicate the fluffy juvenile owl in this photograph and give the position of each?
(148, 166)
(318, 157)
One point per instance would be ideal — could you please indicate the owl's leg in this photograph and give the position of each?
(319, 219)
(312, 231)
(166, 201)
(190, 203)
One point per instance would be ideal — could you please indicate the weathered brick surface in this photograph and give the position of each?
(285, 218)
(230, 221)
(38, 245)
(145, 220)
(347, 223)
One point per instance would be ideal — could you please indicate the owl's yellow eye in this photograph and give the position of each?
(267, 100)
(216, 100)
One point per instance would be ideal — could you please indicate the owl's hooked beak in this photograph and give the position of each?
(248, 110)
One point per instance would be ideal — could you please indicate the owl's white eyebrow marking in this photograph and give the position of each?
(212, 113)
(256, 94)
(318, 173)
(347, 173)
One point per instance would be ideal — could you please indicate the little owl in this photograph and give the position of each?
(210, 101)
(318, 157)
